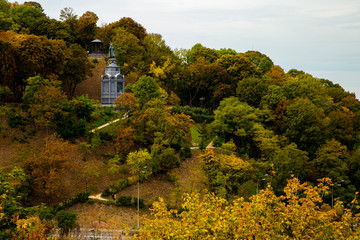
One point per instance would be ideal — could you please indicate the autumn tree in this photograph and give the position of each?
(76, 69)
(299, 214)
(124, 140)
(203, 79)
(48, 166)
(238, 67)
(131, 26)
(46, 105)
(226, 173)
(199, 50)
(86, 28)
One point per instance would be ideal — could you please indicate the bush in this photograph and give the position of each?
(105, 136)
(66, 221)
(185, 152)
(141, 202)
(81, 197)
(123, 200)
(218, 141)
(168, 160)
(106, 192)
(199, 115)
(95, 60)
(16, 120)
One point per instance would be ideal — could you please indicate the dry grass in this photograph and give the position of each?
(115, 217)
(92, 85)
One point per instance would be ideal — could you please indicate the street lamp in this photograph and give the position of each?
(257, 184)
(138, 198)
(202, 101)
(332, 191)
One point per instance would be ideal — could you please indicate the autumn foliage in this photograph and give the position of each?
(299, 214)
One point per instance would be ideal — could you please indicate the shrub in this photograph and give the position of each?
(185, 152)
(123, 200)
(16, 120)
(168, 160)
(218, 141)
(141, 202)
(81, 197)
(66, 221)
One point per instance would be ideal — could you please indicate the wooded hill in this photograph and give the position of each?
(270, 126)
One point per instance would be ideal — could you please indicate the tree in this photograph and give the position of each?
(28, 18)
(129, 51)
(66, 221)
(299, 214)
(235, 120)
(76, 69)
(203, 79)
(145, 89)
(199, 50)
(131, 26)
(277, 74)
(238, 67)
(330, 161)
(127, 102)
(305, 124)
(48, 166)
(86, 28)
(8, 66)
(124, 140)
(47, 105)
(226, 173)
(251, 90)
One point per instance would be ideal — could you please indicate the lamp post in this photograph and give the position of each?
(332, 191)
(138, 197)
(257, 183)
(202, 101)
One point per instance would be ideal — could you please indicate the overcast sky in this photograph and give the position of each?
(321, 37)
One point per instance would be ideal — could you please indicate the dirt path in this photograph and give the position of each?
(98, 196)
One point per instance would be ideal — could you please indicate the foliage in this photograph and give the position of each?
(145, 89)
(66, 221)
(48, 165)
(226, 173)
(76, 69)
(299, 214)
(199, 115)
(123, 200)
(140, 163)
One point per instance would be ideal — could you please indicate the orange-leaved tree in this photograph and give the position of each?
(48, 165)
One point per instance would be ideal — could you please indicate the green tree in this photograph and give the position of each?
(331, 160)
(76, 69)
(28, 18)
(129, 51)
(146, 89)
(251, 90)
(305, 124)
(66, 221)
(236, 120)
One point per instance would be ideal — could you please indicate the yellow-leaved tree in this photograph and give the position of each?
(299, 214)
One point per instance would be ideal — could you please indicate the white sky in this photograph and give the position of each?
(321, 37)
